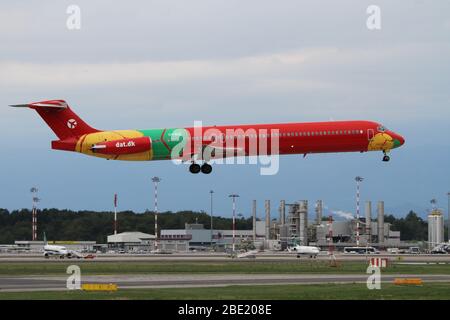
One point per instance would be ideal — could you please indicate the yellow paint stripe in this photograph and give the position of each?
(99, 287)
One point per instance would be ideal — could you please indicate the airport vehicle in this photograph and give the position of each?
(203, 144)
(361, 250)
(393, 250)
(414, 250)
(310, 251)
(74, 254)
(13, 248)
(251, 254)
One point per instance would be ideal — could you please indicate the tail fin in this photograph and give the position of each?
(60, 118)
(45, 239)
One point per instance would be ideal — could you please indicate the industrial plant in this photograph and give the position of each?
(295, 223)
(292, 229)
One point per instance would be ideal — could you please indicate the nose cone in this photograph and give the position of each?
(398, 140)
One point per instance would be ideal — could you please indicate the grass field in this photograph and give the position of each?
(432, 291)
(255, 267)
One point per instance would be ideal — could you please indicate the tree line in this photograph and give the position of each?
(96, 226)
(411, 227)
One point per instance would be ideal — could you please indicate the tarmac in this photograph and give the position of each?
(211, 257)
(56, 283)
(46, 283)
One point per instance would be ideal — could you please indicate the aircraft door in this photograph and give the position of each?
(370, 134)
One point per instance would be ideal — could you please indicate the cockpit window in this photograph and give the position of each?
(381, 128)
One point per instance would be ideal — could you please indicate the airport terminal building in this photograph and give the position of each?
(131, 242)
(197, 237)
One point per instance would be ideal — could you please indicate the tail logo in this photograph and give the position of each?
(71, 123)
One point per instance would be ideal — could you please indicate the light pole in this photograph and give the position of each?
(115, 213)
(211, 192)
(448, 217)
(433, 203)
(358, 180)
(35, 199)
(234, 196)
(156, 180)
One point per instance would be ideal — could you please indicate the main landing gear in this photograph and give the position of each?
(196, 168)
(386, 158)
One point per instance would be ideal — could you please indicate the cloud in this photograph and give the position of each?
(311, 68)
(343, 214)
(21, 74)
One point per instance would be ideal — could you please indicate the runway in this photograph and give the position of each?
(211, 257)
(47, 283)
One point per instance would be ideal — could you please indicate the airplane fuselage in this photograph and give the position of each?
(293, 138)
(192, 144)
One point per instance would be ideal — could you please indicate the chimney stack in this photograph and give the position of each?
(282, 212)
(319, 210)
(368, 217)
(303, 217)
(254, 220)
(267, 207)
(380, 221)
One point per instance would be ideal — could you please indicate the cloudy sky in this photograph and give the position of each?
(151, 64)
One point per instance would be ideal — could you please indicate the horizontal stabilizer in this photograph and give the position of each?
(56, 104)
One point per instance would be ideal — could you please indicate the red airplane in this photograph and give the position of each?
(213, 142)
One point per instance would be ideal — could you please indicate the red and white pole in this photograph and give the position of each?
(234, 223)
(34, 221)
(156, 180)
(34, 213)
(358, 180)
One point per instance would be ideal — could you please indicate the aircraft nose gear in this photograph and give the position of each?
(206, 168)
(194, 168)
(386, 158)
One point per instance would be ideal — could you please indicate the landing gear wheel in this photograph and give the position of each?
(386, 158)
(206, 168)
(194, 168)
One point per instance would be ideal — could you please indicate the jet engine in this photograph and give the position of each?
(123, 146)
